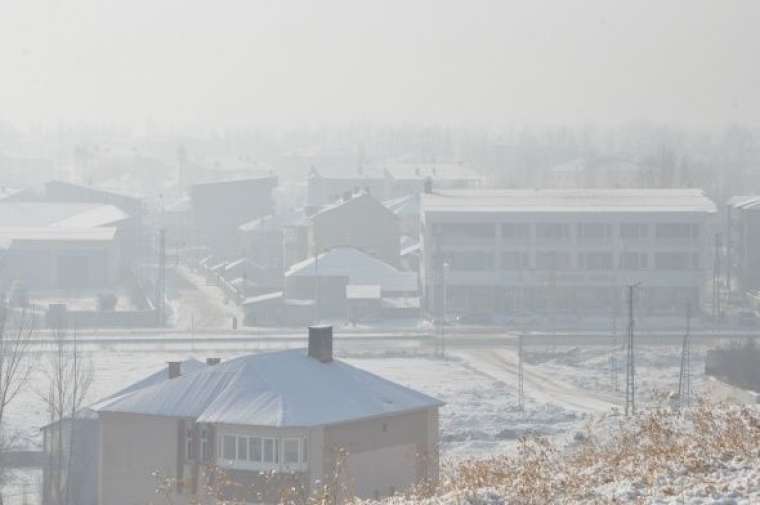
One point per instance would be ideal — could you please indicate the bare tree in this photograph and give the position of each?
(16, 330)
(69, 376)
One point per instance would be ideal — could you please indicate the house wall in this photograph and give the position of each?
(132, 448)
(39, 263)
(362, 223)
(382, 455)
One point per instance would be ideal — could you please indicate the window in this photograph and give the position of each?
(633, 261)
(189, 456)
(634, 231)
(270, 451)
(552, 231)
(677, 231)
(471, 260)
(594, 231)
(515, 231)
(595, 261)
(228, 447)
(242, 448)
(671, 261)
(205, 456)
(254, 449)
(513, 260)
(290, 451)
(465, 230)
(552, 260)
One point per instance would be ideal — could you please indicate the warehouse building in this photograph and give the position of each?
(508, 251)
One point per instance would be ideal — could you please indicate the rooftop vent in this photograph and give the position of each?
(175, 369)
(321, 343)
(428, 186)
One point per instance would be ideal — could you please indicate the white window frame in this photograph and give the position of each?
(249, 463)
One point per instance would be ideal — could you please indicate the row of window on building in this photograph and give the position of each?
(563, 231)
(243, 451)
(560, 260)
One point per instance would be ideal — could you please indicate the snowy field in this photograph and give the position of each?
(566, 388)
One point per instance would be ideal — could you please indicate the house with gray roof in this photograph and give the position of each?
(270, 422)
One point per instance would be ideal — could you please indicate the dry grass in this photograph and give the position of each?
(652, 450)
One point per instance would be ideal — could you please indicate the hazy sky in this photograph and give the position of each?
(459, 62)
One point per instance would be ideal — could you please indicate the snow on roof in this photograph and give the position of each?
(330, 172)
(99, 216)
(406, 205)
(253, 300)
(363, 292)
(359, 267)
(412, 249)
(569, 200)
(279, 389)
(355, 197)
(401, 302)
(102, 234)
(744, 202)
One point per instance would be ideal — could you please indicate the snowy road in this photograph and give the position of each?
(501, 364)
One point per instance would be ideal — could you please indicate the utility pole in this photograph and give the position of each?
(684, 376)
(613, 354)
(444, 305)
(630, 367)
(520, 375)
(716, 279)
(161, 278)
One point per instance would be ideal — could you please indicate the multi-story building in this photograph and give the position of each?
(508, 251)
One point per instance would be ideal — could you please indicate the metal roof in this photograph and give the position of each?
(279, 389)
(568, 200)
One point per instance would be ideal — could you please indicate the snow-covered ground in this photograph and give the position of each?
(566, 388)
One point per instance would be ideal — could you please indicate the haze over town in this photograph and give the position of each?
(379, 252)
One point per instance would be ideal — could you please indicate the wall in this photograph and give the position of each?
(385, 454)
(134, 446)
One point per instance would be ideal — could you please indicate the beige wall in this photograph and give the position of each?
(380, 451)
(132, 448)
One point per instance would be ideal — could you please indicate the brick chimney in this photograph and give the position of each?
(213, 361)
(175, 369)
(321, 343)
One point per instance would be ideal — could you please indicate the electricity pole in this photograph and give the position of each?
(716, 279)
(630, 367)
(520, 375)
(684, 377)
(161, 280)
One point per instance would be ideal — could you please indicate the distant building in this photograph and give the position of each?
(219, 208)
(271, 422)
(62, 245)
(743, 244)
(510, 251)
(386, 181)
(358, 221)
(341, 276)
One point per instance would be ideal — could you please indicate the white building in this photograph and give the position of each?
(509, 251)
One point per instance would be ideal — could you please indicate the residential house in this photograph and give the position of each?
(272, 423)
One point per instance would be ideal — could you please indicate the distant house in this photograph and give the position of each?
(328, 278)
(358, 221)
(270, 422)
(325, 187)
(220, 207)
(62, 245)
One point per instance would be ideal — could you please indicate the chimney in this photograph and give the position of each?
(321, 343)
(175, 369)
(428, 186)
(213, 361)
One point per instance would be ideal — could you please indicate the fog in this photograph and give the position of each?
(336, 62)
(401, 252)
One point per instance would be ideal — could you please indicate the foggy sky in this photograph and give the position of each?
(338, 61)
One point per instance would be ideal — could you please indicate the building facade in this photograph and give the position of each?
(573, 251)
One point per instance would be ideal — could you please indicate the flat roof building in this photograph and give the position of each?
(508, 251)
